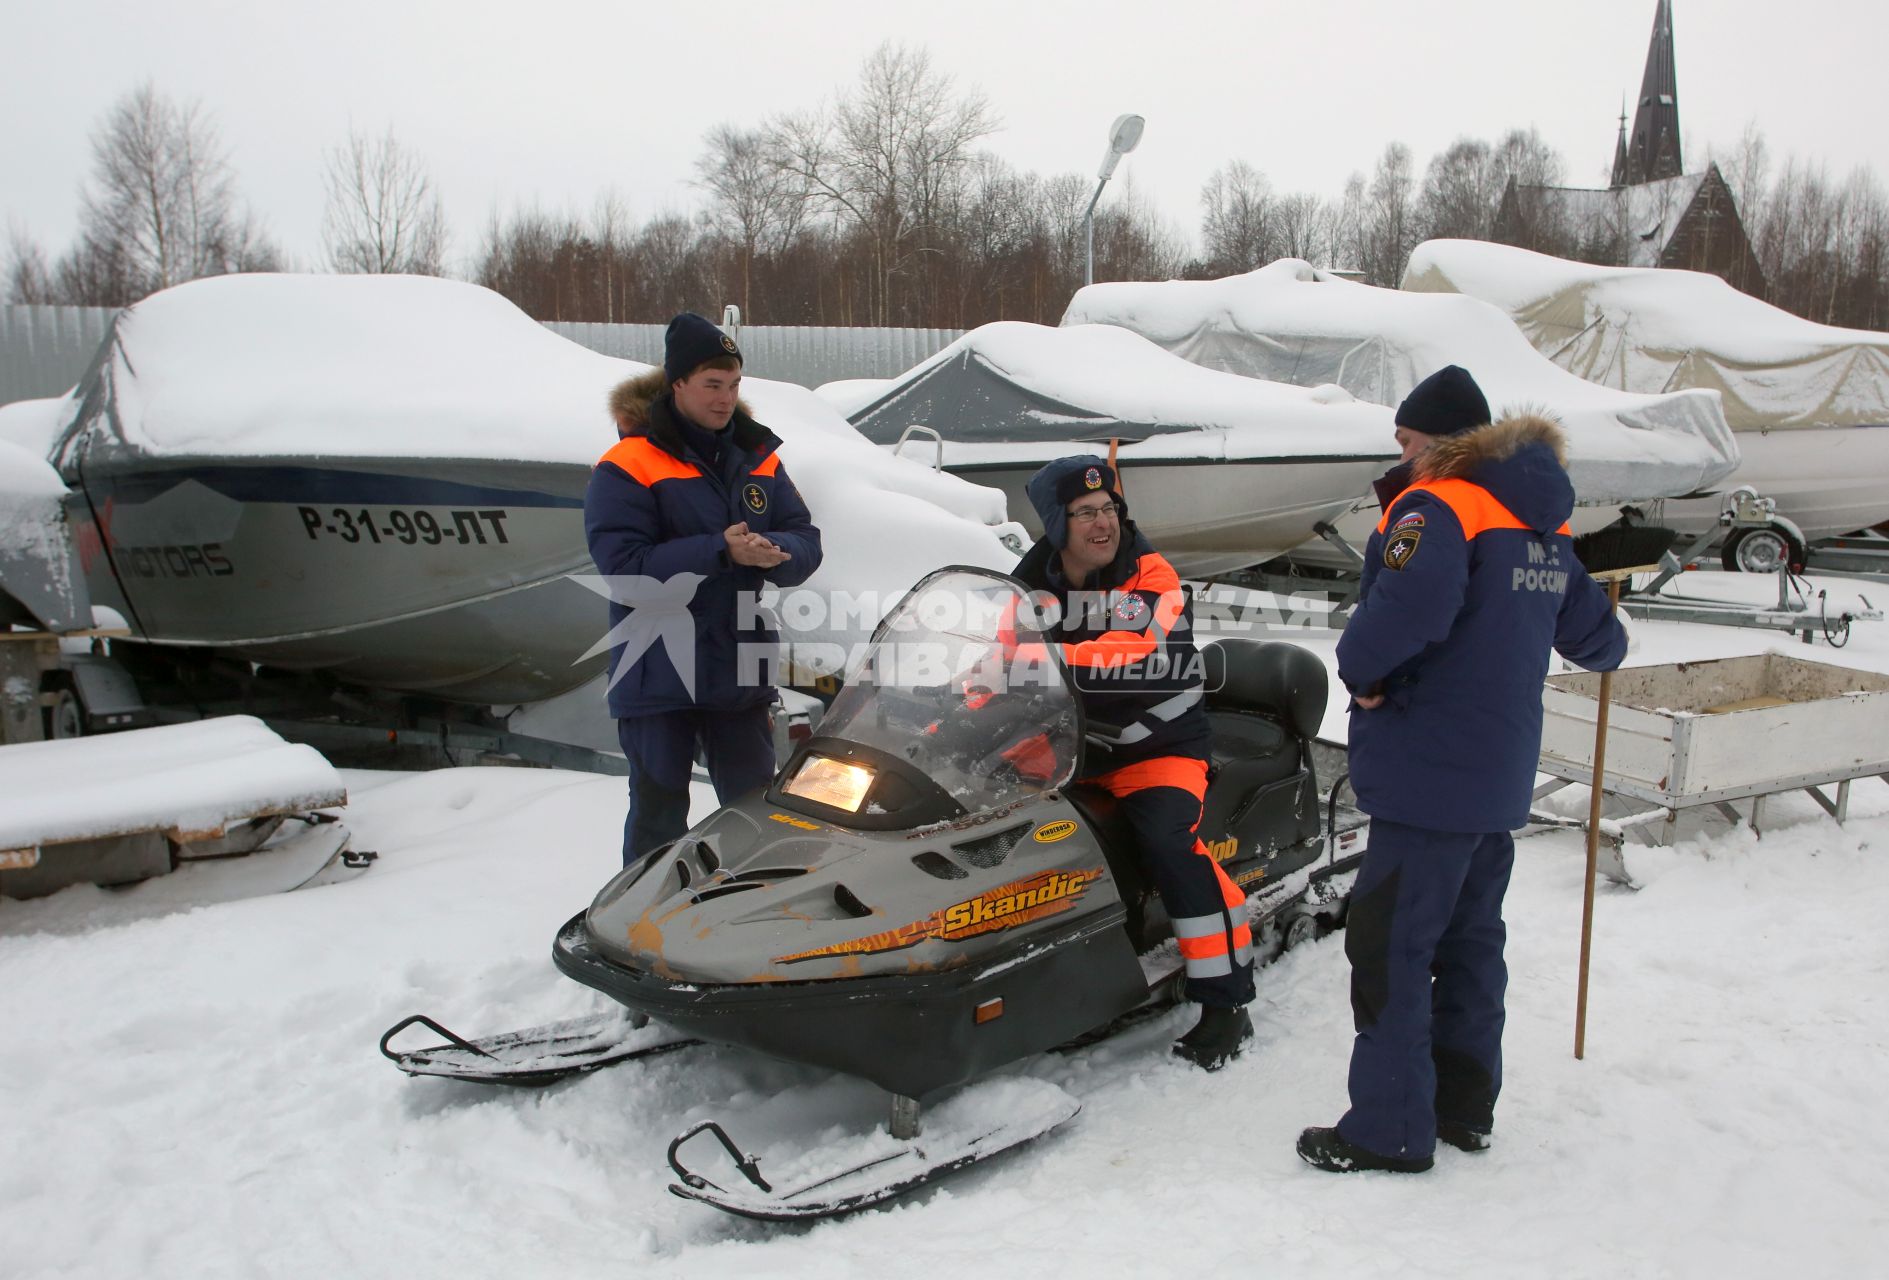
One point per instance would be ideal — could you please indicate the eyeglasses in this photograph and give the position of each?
(1089, 515)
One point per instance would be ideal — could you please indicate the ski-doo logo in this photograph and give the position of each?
(1020, 902)
(1051, 832)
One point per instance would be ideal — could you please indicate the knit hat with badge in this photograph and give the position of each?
(690, 343)
(1446, 403)
(1060, 483)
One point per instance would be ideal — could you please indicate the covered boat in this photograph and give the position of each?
(1290, 322)
(1220, 471)
(1809, 402)
(382, 478)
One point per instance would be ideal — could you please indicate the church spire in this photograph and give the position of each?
(1620, 148)
(1652, 152)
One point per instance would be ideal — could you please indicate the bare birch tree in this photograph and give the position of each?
(1239, 223)
(383, 215)
(883, 157)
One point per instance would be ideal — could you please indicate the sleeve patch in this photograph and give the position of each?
(1401, 546)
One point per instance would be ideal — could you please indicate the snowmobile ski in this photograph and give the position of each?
(982, 1121)
(535, 1055)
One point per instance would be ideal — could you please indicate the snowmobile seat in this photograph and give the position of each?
(1265, 701)
(1282, 682)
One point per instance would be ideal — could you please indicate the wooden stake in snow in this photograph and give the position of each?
(1120, 488)
(1612, 577)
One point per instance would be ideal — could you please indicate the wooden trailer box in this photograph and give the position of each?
(1693, 733)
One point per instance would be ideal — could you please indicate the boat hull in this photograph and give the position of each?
(1213, 516)
(438, 576)
(1828, 481)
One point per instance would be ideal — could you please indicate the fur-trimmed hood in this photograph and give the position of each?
(1458, 456)
(649, 404)
(1521, 461)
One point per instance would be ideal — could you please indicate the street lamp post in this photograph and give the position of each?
(1123, 136)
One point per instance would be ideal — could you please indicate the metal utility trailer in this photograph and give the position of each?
(1691, 734)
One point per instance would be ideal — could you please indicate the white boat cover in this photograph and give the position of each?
(327, 367)
(187, 778)
(1289, 322)
(38, 566)
(1009, 385)
(1641, 329)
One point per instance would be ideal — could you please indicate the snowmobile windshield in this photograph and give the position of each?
(958, 706)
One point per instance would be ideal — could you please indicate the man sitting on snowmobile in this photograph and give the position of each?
(1126, 631)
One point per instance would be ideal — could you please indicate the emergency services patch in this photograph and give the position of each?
(728, 345)
(1412, 521)
(756, 498)
(1131, 611)
(1092, 478)
(1401, 547)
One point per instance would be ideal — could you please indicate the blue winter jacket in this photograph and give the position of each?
(1469, 581)
(656, 509)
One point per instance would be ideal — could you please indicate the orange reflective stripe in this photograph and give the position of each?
(1205, 948)
(640, 459)
(769, 465)
(1118, 648)
(1183, 772)
(1229, 892)
(1475, 507)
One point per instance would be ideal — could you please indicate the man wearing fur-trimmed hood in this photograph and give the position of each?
(1469, 582)
(693, 496)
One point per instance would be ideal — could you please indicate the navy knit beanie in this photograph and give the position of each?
(1444, 404)
(691, 342)
(1060, 483)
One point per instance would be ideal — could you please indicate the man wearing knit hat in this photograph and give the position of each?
(1126, 630)
(1469, 582)
(693, 492)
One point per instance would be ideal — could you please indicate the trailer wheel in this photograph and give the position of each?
(65, 718)
(1762, 550)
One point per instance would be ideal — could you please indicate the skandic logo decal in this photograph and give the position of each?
(1042, 895)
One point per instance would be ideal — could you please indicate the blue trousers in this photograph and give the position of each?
(1424, 934)
(738, 746)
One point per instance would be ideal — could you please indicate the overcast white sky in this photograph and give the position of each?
(555, 101)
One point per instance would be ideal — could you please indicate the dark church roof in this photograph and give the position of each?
(1652, 152)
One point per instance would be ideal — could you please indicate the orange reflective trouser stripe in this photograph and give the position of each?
(1161, 799)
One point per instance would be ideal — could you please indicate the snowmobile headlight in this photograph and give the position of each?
(834, 783)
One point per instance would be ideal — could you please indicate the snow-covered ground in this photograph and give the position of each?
(198, 1094)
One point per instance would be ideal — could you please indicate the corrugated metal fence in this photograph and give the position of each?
(44, 350)
(806, 354)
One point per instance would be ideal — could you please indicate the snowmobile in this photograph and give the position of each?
(925, 894)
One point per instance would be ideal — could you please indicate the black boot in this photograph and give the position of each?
(1219, 1037)
(1325, 1149)
(1462, 1137)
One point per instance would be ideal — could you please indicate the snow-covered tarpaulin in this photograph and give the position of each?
(1012, 383)
(38, 568)
(1641, 329)
(1289, 322)
(321, 368)
(188, 778)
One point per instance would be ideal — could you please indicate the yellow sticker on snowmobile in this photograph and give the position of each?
(1051, 832)
(802, 823)
(1019, 902)
(1223, 850)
